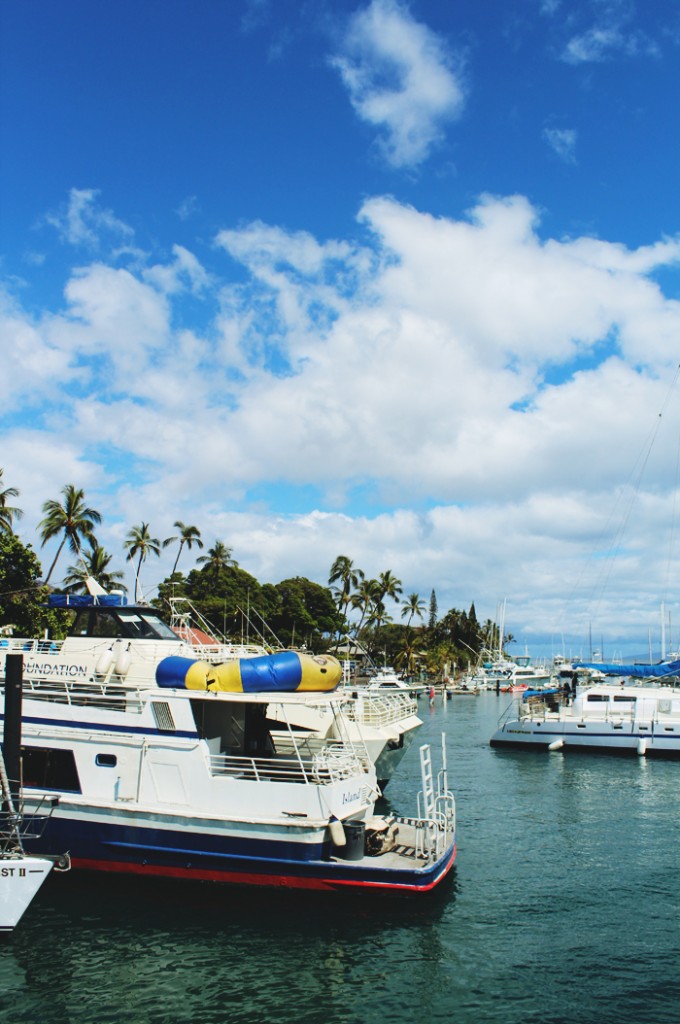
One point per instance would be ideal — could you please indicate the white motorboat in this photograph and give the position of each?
(21, 875)
(111, 642)
(642, 720)
(165, 764)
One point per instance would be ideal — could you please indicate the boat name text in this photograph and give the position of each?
(35, 668)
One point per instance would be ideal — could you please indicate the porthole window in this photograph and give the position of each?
(106, 760)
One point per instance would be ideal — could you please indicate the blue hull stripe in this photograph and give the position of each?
(140, 730)
(130, 849)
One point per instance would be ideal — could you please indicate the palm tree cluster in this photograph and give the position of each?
(352, 589)
(354, 605)
(73, 521)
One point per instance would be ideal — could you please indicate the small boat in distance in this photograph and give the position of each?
(607, 718)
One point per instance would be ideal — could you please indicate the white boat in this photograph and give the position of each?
(165, 764)
(509, 676)
(386, 723)
(642, 720)
(20, 875)
(111, 642)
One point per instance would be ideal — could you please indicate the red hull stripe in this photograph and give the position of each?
(248, 878)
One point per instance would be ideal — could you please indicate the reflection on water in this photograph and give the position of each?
(563, 907)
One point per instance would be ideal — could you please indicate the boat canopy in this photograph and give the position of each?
(666, 668)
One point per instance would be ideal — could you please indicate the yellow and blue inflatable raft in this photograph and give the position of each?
(284, 672)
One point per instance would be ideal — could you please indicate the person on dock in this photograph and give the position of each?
(431, 696)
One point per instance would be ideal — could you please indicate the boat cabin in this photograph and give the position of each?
(111, 618)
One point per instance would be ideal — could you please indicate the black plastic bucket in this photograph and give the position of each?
(354, 840)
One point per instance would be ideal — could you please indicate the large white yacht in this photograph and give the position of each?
(162, 763)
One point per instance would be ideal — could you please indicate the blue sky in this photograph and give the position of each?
(392, 280)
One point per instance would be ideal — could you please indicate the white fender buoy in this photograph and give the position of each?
(104, 662)
(337, 832)
(123, 661)
(642, 748)
(556, 744)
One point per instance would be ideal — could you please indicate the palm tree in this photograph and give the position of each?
(343, 570)
(140, 542)
(412, 606)
(71, 517)
(93, 564)
(407, 658)
(8, 512)
(188, 535)
(366, 596)
(377, 615)
(389, 585)
(218, 557)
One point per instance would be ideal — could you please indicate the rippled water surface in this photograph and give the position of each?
(563, 907)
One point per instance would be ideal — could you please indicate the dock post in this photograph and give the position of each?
(11, 737)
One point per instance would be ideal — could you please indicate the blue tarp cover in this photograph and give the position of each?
(666, 668)
(85, 600)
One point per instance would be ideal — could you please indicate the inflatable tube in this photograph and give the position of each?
(285, 672)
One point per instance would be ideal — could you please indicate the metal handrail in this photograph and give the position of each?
(332, 763)
(112, 697)
(380, 710)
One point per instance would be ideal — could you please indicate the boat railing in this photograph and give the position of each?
(550, 706)
(217, 654)
(20, 645)
(379, 710)
(16, 824)
(311, 746)
(332, 763)
(113, 697)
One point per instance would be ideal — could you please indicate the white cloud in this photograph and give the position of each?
(608, 38)
(83, 222)
(458, 400)
(563, 142)
(400, 79)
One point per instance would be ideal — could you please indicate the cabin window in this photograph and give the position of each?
(598, 698)
(50, 768)
(625, 699)
(106, 760)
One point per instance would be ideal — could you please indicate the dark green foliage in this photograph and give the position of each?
(433, 610)
(22, 600)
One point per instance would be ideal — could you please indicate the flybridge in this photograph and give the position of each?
(85, 600)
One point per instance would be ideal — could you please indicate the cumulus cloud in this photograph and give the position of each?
(401, 79)
(461, 385)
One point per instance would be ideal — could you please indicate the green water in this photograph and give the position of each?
(563, 908)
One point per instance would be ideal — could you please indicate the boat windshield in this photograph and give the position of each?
(122, 622)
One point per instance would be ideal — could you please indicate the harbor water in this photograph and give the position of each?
(563, 907)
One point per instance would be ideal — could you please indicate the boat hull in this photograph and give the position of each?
(219, 855)
(589, 738)
(20, 879)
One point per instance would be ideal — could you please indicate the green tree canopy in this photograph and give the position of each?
(22, 598)
(94, 564)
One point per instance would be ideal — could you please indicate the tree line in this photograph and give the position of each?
(352, 614)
